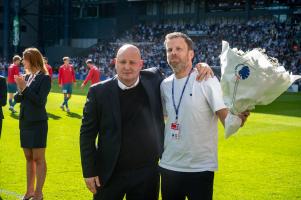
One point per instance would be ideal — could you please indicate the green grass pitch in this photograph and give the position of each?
(260, 162)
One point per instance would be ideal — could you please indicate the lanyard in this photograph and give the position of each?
(173, 98)
(30, 79)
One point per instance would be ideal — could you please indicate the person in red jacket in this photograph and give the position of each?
(93, 75)
(65, 79)
(49, 68)
(13, 69)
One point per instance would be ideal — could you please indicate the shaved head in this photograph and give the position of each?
(128, 47)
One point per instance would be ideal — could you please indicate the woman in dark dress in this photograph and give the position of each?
(33, 90)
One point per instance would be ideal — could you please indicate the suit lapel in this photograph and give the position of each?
(115, 102)
(149, 87)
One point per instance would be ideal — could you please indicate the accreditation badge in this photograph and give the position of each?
(175, 131)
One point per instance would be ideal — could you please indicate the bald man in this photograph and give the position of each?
(125, 115)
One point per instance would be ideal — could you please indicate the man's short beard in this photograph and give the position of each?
(177, 68)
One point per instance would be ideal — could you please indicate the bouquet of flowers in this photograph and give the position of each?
(251, 78)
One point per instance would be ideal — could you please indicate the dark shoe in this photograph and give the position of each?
(38, 199)
(62, 107)
(27, 198)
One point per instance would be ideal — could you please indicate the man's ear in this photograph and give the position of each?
(191, 54)
(115, 62)
(141, 63)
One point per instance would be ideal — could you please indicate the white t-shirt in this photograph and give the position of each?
(196, 148)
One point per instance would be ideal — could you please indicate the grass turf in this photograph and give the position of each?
(262, 161)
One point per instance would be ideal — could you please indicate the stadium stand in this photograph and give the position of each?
(276, 38)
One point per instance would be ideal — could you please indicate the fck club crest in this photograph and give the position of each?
(242, 72)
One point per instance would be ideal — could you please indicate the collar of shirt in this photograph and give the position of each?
(35, 73)
(124, 87)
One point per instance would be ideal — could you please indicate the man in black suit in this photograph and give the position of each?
(125, 113)
(3, 99)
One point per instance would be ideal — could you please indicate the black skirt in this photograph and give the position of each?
(33, 134)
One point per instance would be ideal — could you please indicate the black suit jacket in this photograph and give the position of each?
(102, 118)
(33, 99)
(3, 95)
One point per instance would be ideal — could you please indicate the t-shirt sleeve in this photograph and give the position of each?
(60, 75)
(163, 99)
(213, 93)
(89, 76)
(17, 71)
(73, 75)
(50, 71)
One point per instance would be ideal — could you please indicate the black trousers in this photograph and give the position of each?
(138, 184)
(193, 185)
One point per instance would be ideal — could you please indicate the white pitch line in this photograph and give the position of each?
(10, 193)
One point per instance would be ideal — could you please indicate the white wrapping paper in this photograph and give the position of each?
(251, 78)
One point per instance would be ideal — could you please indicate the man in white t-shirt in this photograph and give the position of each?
(192, 108)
